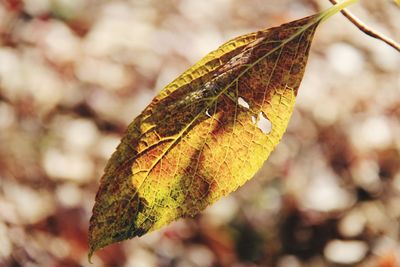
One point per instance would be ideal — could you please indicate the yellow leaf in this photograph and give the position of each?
(205, 134)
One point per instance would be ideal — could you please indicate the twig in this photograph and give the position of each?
(367, 30)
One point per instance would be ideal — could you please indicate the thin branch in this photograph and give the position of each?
(367, 30)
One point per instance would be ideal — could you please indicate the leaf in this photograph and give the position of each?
(205, 134)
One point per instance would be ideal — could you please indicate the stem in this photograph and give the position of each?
(364, 28)
(336, 8)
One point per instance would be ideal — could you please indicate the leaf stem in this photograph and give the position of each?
(336, 8)
(364, 28)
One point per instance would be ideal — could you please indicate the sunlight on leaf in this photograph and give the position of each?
(204, 135)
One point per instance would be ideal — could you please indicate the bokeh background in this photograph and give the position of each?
(73, 74)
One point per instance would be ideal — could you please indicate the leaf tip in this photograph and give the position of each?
(96, 244)
(92, 248)
(96, 239)
(90, 254)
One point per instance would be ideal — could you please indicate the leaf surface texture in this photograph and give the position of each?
(204, 135)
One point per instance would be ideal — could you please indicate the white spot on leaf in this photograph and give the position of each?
(243, 103)
(253, 119)
(263, 123)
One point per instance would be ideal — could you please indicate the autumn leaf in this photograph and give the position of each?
(205, 134)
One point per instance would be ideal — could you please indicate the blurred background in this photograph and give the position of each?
(73, 74)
